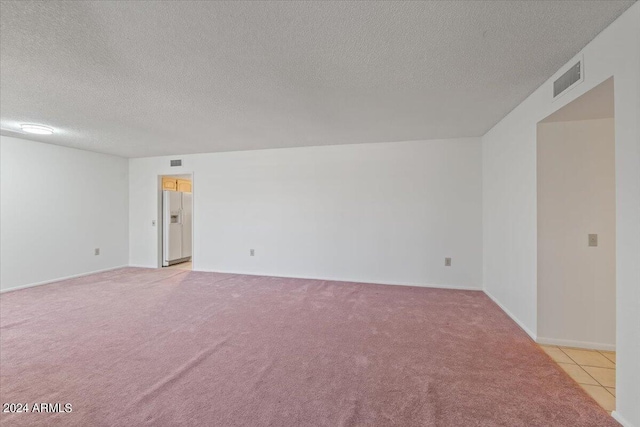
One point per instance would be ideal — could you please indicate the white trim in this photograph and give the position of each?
(46, 282)
(577, 344)
(333, 279)
(616, 416)
(511, 315)
(419, 285)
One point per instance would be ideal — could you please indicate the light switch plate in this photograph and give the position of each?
(593, 240)
(447, 262)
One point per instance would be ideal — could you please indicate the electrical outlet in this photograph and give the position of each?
(593, 240)
(252, 252)
(96, 251)
(153, 222)
(447, 262)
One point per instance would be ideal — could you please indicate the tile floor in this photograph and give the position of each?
(182, 266)
(594, 370)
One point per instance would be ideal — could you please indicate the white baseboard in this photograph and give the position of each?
(619, 418)
(576, 344)
(47, 282)
(511, 315)
(335, 279)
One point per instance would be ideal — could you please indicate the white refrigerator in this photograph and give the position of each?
(177, 215)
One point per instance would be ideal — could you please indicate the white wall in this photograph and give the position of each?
(509, 188)
(57, 205)
(576, 197)
(386, 213)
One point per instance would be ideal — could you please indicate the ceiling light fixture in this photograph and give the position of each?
(37, 129)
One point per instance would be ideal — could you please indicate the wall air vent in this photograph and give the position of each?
(176, 163)
(571, 78)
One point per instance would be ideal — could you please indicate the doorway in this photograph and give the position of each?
(176, 207)
(576, 240)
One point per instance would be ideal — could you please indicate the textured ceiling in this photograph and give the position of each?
(153, 78)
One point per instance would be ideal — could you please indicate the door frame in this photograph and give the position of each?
(539, 312)
(159, 216)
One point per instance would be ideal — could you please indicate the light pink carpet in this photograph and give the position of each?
(167, 347)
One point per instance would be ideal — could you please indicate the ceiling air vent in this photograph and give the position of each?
(572, 77)
(176, 163)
